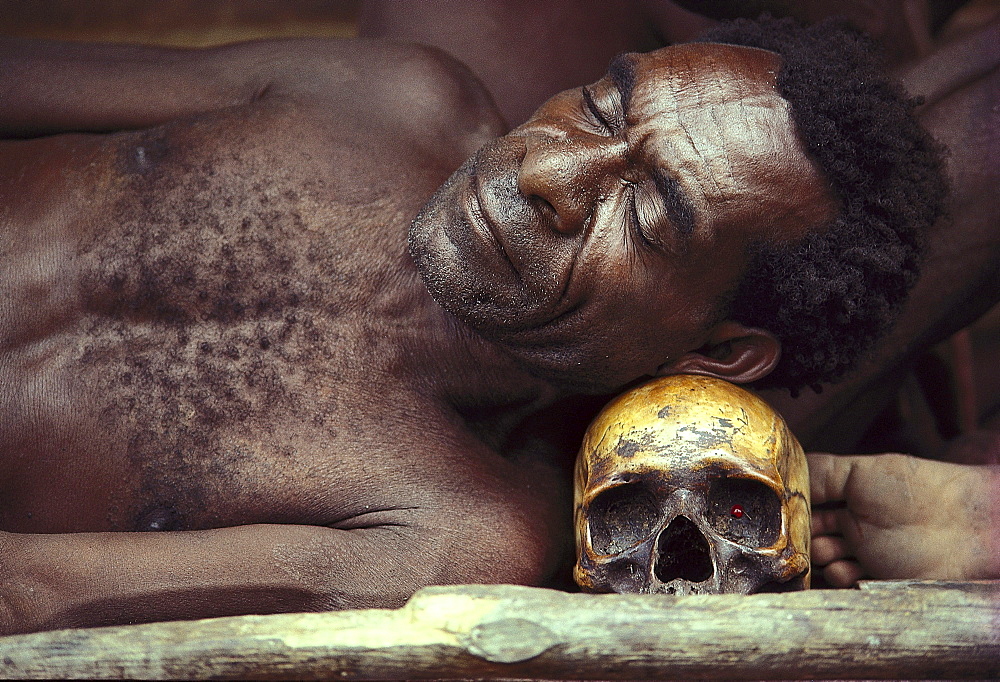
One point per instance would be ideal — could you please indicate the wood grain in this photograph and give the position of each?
(884, 630)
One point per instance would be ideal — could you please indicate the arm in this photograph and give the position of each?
(470, 517)
(50, 581)
(525, 51)
(50, 87)
(92, 579)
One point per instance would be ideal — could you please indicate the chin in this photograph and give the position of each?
(471, 277)
(454, 285)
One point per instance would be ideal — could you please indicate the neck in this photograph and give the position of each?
(488, 390)
(472, 373)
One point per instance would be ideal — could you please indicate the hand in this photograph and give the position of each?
(903, 517)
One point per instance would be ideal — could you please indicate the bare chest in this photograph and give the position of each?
(169, 435)
(201, 347)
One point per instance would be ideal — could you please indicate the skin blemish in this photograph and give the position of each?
(197, 326)
(151, 149)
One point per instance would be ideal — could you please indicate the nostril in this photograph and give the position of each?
(564, 219)
(683, 552)
(543, 205)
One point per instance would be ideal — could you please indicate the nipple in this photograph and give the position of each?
(158, 518)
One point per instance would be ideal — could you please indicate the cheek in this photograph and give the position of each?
(686, 291)
(712, 269)
(649, 330)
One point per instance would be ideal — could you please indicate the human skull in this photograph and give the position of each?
(690, 485)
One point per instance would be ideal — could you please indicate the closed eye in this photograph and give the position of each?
(595, 111)
(637, 227)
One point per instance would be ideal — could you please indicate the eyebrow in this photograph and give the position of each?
(679, 208)
(621, 71)
(675, 199)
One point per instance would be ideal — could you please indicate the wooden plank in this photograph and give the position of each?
(886, 630)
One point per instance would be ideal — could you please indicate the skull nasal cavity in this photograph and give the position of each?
(682, 552)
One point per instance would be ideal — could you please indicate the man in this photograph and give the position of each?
(214, 329)
(896, 517)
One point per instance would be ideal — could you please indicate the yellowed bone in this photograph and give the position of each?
(693, 422)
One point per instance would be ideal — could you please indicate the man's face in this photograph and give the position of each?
(598, 240)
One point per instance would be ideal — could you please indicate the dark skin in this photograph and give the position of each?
(526, 51)
(892, 504)
(226, 388)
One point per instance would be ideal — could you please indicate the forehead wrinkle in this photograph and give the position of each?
(703, 100)
(713, 113)
(747, 98)
(689, 135)
(701, 109)
(722, 93)
(728, 106)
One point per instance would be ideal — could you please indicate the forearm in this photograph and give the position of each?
(93, 579)
(49, 87)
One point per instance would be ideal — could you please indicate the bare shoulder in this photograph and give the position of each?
(414, 89)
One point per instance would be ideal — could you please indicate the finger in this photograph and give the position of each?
(826, 550)
(843, 573)
(825, 522)
(828, 476)
(849, 526)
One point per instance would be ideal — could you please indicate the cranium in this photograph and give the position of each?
(690, 485)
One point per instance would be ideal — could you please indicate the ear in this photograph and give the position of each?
(733, 352)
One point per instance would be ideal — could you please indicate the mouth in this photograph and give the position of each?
(500, 214)
(482, 223)
(505, 269)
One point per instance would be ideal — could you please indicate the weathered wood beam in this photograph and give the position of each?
(885, 630)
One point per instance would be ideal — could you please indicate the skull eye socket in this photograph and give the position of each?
(744, 511)
(621, 517)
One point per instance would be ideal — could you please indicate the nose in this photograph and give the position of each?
(683, 552)
(566, 176)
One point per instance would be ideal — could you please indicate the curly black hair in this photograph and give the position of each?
(829, 296)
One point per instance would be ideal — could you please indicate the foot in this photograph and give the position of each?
(898, 516)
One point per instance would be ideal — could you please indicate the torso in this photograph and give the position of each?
(214, 323)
